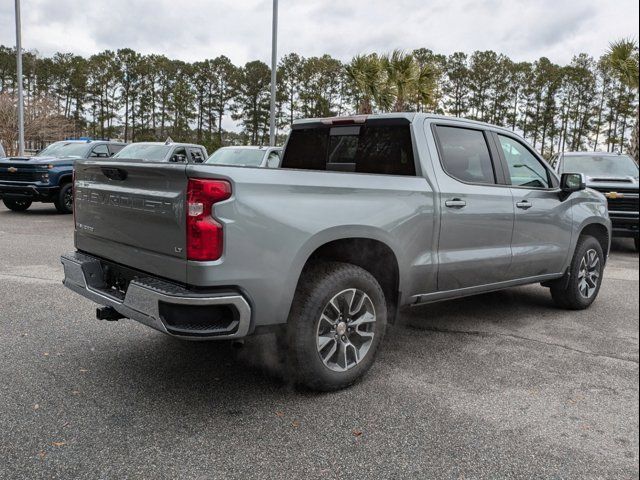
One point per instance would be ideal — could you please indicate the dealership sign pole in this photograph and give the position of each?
(274, 65)
(20, 94)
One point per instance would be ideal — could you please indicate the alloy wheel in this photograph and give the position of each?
(346, 329)
(589, 273)
(68, 199)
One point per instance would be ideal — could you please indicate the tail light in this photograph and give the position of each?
(204, 233)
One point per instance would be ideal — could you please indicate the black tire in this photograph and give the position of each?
(637, 243)
(17, 205)
(319, 284)
(64, 199)
(567, 292)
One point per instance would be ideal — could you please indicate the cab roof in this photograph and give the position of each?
(401, 117)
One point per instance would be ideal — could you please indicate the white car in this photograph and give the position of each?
(247, 156)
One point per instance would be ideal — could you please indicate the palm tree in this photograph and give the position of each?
(425, 92)
(622, 57)
(367, 75)
(393, 82)
(402, 74)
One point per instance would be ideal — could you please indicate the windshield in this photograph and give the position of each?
(65, 150)
(242, 157)
(141, 151)
(601, 165)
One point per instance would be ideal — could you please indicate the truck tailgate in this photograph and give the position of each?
(133, 213)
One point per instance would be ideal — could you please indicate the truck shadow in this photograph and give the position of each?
(623, 245)
(218, 371)
(44, 211)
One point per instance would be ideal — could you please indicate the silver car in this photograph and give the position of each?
(247, 156)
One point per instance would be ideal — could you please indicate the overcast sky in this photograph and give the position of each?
(198, 29)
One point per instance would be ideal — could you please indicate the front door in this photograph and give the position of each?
(477, 213)
(543, 222)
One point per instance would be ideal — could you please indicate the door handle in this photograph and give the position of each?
(455, 203)
(524, 205)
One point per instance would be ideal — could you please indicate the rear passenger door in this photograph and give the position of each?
(543, 221)
(477, 214)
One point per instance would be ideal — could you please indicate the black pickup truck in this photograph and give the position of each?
(616, 177)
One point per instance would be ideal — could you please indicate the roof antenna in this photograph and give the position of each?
(168, 141)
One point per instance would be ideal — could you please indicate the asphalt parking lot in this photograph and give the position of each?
(501, 385)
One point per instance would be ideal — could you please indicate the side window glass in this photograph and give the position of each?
(100, 151)
(273, 160)
(465, 155)
(179, 155)
(113, 149)
(196, 155)
(525, 169)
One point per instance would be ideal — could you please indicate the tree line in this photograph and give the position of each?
(588, 104)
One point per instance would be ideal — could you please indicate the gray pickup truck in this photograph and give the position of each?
(366, 215)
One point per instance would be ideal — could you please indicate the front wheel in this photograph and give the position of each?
(64, 199)
(337, 321)
(16, 205)
(585, 276)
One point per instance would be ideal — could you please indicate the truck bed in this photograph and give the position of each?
(273, 221)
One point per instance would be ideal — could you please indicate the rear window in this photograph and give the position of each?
(380, 149)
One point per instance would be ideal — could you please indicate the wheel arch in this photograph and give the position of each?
(368, 250)
(600, 232)
(65, 178)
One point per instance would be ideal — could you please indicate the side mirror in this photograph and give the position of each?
(572, 182)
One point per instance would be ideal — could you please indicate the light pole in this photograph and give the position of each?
(20, 95)
(274, 65)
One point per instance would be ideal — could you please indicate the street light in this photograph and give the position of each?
(20, 95)
(274, 65)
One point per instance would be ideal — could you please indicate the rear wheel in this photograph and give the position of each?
(585, 276)
(17, 205)
(64, 199)
(337, 321)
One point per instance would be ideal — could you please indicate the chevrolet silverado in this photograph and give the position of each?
(367, 214)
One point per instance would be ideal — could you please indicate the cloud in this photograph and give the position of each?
(197, 29)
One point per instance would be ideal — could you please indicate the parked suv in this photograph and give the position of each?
(615, 176)
(46, 177)
(365, 215)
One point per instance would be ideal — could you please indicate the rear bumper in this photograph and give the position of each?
(159, 304)
(625, 224)
(33, 192)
